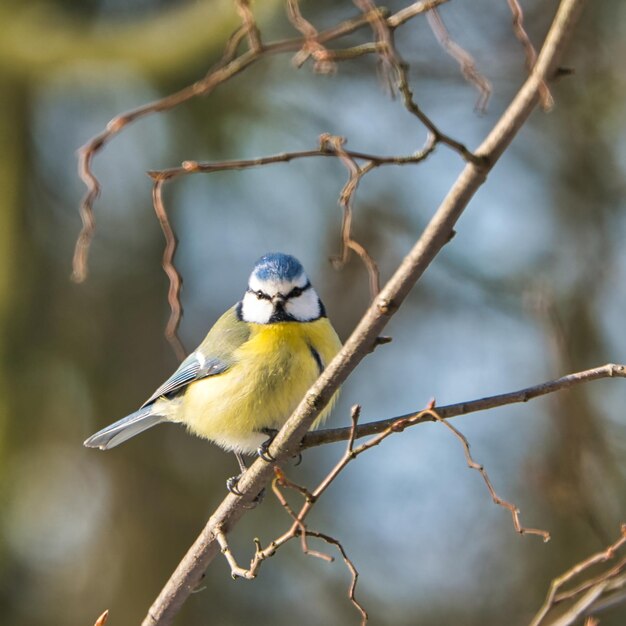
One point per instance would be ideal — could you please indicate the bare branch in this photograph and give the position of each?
(586, 594)
(522, 530)
(322, 57)
(102, 620)
(228, 66)
(325, 150)
(462, 57)
(173, 296)
(351, 567)
(346, 197)
(437, 233)
(328, 147)
(547, 101)
(610, 370)
(250, 26)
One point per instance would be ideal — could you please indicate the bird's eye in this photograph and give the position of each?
(260, 295)
(295, 292)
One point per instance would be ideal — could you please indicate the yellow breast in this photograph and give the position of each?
(272, 372)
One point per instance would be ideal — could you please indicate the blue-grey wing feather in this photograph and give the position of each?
(193, 368)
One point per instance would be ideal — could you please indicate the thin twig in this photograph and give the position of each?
(547, 101)
(346, 197)
(383, 36)
(173, 295)
(322, 58)
(102, 620)
(326, 149)
(353, 571)
(463, 408)
(462, 57)
(252, 30)
(522, 530)
(227, 67)
(590, 593)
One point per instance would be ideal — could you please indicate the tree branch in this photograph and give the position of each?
(589, 593)
(230, 65)
(190, 570)
(331, 435)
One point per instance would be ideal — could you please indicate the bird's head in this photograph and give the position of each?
(280, 291)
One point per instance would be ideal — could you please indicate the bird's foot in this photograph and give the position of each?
(232, 484)
(263, 449)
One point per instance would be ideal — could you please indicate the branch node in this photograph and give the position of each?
(386, 306)
(190, 166)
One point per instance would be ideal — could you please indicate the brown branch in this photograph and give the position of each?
(590, 592)
(299, 527)
(547, 101)
(251, 29)
(331, 435)
(173, 295)
(327, 148)
(383, 35)
(322, 58)
(227, 67)
(351, 567)
(286, 443)
(522, 530)
(346, 197)
(462, 57)
(102, 620)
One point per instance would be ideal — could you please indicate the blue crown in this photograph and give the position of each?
(277, 266)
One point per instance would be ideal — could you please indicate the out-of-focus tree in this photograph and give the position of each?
(530, 288)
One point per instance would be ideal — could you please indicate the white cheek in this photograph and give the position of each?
(255, 310)
(304, 308)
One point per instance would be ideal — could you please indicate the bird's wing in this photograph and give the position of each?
(213, 356)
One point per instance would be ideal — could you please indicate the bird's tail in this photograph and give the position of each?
(124, 429)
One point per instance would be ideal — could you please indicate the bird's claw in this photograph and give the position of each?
(232, 484)
(263, 449)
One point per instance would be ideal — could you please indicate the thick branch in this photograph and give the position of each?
(189, 572)
(331, 435)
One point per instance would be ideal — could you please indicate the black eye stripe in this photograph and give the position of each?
(259, 294)
(294, 293)
(298, 291)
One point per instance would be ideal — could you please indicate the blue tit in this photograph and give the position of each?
(252, 369)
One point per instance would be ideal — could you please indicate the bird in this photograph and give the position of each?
(251, 371)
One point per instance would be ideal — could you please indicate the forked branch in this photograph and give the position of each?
(286, 444)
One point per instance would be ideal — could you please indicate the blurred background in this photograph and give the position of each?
(531, 288)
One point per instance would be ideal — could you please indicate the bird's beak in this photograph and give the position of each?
(278, 300)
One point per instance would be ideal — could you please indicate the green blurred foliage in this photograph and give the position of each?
(531, 287)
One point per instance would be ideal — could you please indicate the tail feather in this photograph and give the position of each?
(124, 429)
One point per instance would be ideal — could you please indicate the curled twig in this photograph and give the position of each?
(299, 527)
(251, 29)
(323, 62)
(471, 463)
(328, 147)
(228, 66)
(546, 99)
(462, 57)
(173, 295)
(346, 197)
